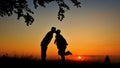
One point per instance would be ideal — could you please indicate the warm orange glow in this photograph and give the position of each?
(79, 57)
(86, 35)
(87, 58)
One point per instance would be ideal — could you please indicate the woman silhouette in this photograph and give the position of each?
(61, 45)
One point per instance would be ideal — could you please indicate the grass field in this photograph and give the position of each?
(6, 61)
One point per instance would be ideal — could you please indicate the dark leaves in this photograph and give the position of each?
(28, 19)
(62, 6)
(35, 3)
(76, 3)
(61, 14)
(6, 7)
(20, 7)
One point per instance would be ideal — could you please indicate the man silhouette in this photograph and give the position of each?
(44, 43)
(61, 45)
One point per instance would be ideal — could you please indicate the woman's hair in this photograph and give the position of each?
(58, 31)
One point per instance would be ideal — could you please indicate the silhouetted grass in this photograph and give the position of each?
(6, 61)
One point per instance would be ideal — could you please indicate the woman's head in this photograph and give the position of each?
(58, 31)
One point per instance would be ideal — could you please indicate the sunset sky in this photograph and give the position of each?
(93, 29)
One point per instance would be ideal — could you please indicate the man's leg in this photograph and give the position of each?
(43, 53)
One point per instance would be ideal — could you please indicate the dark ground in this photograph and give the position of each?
(33, 63)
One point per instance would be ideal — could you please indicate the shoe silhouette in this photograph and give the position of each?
(68, 53)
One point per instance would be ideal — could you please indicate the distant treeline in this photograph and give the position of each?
(6, 61)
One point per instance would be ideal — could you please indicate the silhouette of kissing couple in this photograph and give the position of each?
(59, 41)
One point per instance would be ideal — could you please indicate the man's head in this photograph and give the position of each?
(53, 29)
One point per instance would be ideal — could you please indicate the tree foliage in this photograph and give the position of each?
(20, 7)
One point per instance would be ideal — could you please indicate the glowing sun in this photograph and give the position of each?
(79, 57)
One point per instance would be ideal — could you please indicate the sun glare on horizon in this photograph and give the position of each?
(79, 57)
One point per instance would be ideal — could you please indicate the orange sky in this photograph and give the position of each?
(88, 31)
